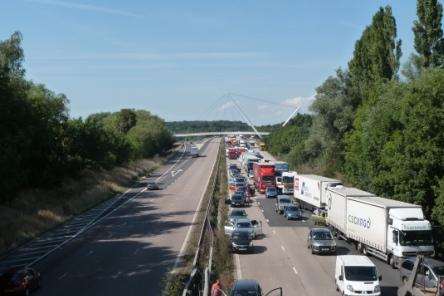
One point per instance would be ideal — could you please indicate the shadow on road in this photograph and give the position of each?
(120, 256)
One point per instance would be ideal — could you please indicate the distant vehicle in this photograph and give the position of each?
(252, 287)
(153, 186)
(423, 279)
(233, 166)
(264, 176)
(356, 275)
(238, 200)
(19, 281)
(431, 270)
(292, 212)
(281, 202)
(320, 240)
(287, 183)
(194, 151)
(236, 214)
(310, 190)
(271, 192)
(280, 167)
(241, 240)
(385, 228)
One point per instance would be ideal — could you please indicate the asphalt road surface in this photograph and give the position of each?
(130, 251)
(281, 257)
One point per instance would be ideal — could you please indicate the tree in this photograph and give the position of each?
(126, 120)
(376, 56)
(428, 33)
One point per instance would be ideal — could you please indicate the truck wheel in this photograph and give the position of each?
(392, 262)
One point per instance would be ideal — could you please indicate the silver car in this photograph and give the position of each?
(281, 202)
(253, 227)
(321, 241)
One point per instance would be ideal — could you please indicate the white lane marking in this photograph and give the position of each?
(295, 271)
(63, 275)
(187, 237)
(274, 231)
(268, 220)
(172, 167)
(238, 267)
(283, 248)
(262, 211)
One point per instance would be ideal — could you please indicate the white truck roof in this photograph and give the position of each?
(350, 191)
(385, 202)
(319, 178)
(355, 260)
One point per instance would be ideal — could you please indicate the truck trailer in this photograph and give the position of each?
(310, 190)
(388, 229)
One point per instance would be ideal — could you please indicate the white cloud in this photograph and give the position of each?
(86, 7)
(303, 103)
(225, 106)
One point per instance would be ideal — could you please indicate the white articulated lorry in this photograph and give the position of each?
(286, 184)
(385, 228)
(309, 190)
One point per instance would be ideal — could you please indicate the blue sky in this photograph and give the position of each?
(176, 58)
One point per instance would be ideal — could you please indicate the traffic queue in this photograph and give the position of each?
(393, 231)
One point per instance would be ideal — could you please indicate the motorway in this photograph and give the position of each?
(130, 250)
(281, 257)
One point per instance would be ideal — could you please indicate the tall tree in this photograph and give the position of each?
(428, 33)
(126, 120)
(376, 55)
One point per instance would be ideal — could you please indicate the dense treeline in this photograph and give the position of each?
(381, 132)
(40, 144)
(206, 126)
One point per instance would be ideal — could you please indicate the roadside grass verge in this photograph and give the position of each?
(36, 211)
(223, 265)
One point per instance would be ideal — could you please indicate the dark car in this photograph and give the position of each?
(19, 281)
(292, 212)
(241, 240)
(320, 240)
(271, 192)
(236, 214)
(153, 186)
(430, 271)
(247, 287)
(238, 200)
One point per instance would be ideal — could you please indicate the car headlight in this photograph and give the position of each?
(251, 244)
(350, 288)
(377, 289)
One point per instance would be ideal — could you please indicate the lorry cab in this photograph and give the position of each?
(409, 234)
(356, 275)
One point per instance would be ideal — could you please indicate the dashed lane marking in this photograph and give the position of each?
(283, 248)
(295, 271)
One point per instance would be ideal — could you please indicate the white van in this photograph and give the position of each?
(356, 275)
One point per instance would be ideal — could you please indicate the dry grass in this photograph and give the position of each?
(36, 211)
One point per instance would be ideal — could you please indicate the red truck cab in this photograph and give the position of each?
(264, 176)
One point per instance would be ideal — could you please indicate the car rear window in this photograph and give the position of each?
(284, 200)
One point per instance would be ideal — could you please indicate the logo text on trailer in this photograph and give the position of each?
(364, 222)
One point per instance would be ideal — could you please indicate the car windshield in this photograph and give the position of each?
(291, 208)
(439, 270)
(240, 180)
(238, 214)
(243, 225)
(241, 235)
(284, 200)
(271, 189)
(237, 197)
(322, 235)
(415, 238)
(360, 273)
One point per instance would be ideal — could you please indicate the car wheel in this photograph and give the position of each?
(404, 279)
